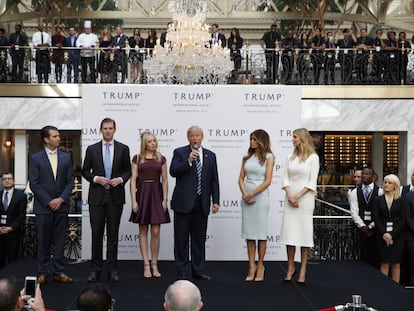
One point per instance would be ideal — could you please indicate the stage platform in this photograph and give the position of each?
(329, 283)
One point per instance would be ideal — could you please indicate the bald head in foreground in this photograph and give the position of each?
(182, 295)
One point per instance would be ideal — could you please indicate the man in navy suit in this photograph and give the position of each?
(74, 56)
(217, 37)
(51, 181)
(13, 215)
(193, 194)
(107, 167)
(118, 45)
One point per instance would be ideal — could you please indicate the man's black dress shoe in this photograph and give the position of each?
(113, 276)
(183, 276)
(201, 276)
(94, 276)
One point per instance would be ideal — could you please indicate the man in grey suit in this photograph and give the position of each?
(197, 185)
(107, 167)
(51, 181)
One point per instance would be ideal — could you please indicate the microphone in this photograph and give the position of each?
(196, 147)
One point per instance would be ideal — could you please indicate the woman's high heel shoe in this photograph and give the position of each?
(155, 271)
(251, 274)
(286, 280)
(260, 275)
(147, 271)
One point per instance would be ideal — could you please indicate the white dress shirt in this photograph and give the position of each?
(354, 206)
(37, 38)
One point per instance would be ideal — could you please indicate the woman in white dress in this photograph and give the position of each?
(299, 182)
(254, 180)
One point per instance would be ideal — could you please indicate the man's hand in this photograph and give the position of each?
(215, 208)
(56, 203)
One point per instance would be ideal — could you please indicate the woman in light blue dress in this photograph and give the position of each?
(254, 180)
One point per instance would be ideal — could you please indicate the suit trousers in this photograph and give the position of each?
(51, 238)
(410, 257)
(9, 247)
(99, 215)
(369, 252)
(190, 225)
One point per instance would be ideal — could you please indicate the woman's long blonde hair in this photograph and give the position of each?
(306, 147)
(142, 153)
(396, 182)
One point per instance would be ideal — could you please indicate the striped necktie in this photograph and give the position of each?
(6, 200)
(108, 162)
(366, 193)
(198, 170)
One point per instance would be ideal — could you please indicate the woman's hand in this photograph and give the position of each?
(249, 198)
(135, 207)
(164, 205)
(293, 200)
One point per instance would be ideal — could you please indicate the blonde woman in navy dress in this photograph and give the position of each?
(149, 193)
(387, 212)
(254, 181)
(299, 182)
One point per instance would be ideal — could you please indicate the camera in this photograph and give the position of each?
(30, 284)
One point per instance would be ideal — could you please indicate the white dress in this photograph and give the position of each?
(297, 222)
(255, 216)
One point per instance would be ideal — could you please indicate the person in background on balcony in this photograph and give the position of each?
(136, 58)
(254, 180)
(303, 63)
(41, 42)
(118, 45)
(289, 46)
(404, 47)
(364, 44)
(357, 180)
(391, 43)
(378, 41)
(104, 62)
(58, 41)
(87, 42)
(299, 183)
(18, 43)
(51, 180)
(151, 41)
(13, 216)
(318, 45)
(235, 44)
(73, 56)
(217, 38)
(268, 43)
(408, 188)
(163, 37)
(361, 205)
(3, 55)
(389, 221)
(149, 197)
(329, 63)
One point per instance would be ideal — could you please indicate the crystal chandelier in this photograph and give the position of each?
(187, 56)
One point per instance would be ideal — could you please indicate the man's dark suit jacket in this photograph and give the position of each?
(43, 184)
(75, 53)
(119, 44)
(221, 37)
(93, 166)
(16, 212)
(408, 212)
(185, 191)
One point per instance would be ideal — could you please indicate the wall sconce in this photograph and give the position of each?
(7, 144)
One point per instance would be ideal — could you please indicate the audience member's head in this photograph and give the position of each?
(96, 297)
(183, 295)
(10, 298)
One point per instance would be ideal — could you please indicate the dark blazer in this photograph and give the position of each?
(381, 216)
(16, 212)
(408, 212)
(43, 184)
(121, 43)
(93, 166)
(18, 39)
(221, 37)
(185, 191)
(75, 53)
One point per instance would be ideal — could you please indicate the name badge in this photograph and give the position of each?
(389, 226)
(346, 51)
(367, 215)
(3, 220)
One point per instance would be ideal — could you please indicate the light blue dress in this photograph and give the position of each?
(255, 216)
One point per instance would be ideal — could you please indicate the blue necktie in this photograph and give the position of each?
(108, 162)
(6, 200)
(198, 170)
(366, 193)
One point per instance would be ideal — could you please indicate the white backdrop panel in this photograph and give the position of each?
(227, 114)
